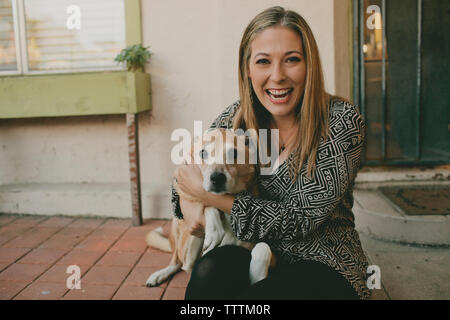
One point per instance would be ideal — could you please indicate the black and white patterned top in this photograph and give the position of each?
(310, 219)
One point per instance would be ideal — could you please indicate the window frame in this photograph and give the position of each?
(20, 41)
(18, 71)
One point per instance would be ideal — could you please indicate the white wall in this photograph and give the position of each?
(194, 76)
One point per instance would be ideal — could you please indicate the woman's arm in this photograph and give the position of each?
(222, 202)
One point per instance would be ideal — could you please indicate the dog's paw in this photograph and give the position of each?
(212, 239)
(260, 262)
(154, 280)
(158, 277)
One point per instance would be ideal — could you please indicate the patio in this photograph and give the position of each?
(115, 262)
(113, 257)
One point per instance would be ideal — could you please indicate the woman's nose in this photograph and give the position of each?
(277, 73)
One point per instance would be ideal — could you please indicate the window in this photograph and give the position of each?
(54, 36)
(8, 54)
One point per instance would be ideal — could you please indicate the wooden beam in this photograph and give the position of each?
(135, 180)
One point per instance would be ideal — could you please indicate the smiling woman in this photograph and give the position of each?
(283, 36)
(304, 211)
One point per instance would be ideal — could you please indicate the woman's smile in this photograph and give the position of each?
(279, 96)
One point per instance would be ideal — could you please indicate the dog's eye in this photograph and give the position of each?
(203, 154)
(232, 154)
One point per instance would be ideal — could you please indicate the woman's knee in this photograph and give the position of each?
(220, 262)
(205, 269)
(219, 273)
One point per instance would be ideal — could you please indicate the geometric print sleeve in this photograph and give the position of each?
(175, 201)
(224, 120)
(305, 205)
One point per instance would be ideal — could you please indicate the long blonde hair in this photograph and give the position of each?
(312, 111)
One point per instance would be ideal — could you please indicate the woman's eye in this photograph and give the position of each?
(262, 61)
(293, 59)
(203, 154)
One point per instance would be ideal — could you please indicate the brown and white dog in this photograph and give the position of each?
(220, 176)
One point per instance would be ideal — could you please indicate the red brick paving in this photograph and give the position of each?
(42, 291)
(9, 289)
(113, 257)
(180, 280)
(43, 256)
(56, 222)
(80, 257)
(92, 243)
(106, 275)
(9, 255)
(32, 237)
(138, 277)
(92, 292)
(155, 258)
(11, 231)
(139, 293)
(6, 219)
(119, 258)
(58, 273)
(23, 272)
(174, 294)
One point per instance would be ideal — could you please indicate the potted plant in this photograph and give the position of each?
(135, 57)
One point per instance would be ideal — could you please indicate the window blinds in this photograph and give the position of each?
(87, 37)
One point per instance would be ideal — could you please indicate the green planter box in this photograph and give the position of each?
(76, 94)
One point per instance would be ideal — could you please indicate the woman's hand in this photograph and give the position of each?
(190, 181)
(193, 216)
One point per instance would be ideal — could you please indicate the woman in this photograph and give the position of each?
(304, 212)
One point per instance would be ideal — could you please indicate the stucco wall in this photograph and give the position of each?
(194, 76)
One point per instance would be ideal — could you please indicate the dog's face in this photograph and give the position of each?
(225, 162)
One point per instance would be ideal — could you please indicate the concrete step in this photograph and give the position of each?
(83, 199)
(409, 272)
(377, 217)
(399, 174)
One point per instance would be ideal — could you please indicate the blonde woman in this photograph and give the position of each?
(305, 209)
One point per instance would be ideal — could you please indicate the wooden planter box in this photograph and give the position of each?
(76, 94)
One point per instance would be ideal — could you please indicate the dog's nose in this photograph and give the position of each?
(218, 179)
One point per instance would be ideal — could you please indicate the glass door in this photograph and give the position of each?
(401, 81)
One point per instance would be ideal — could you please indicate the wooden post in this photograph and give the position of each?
(135, 180)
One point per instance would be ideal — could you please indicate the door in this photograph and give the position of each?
(401, 81)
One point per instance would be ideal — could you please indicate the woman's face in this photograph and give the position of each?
(277, 70)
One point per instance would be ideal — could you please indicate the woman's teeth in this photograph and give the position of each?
(278, 94)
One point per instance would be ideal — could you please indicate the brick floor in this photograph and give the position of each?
(113, 258)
